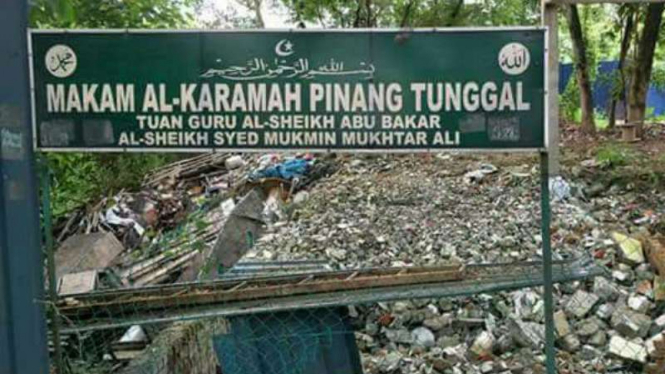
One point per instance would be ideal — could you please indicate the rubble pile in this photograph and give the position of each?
(165, 229)
(422, 210)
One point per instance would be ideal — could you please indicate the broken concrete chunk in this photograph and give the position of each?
(622, 276)
(482, 345)
(655, 344)
(581, 303)
(605, 289)
(399, 336)
(627, 350)
(390, 362)
(639, 303)
(588, 353)
(561, 324)
(487, 367)
(588, 327)
(527, 334)
(605, 311)
(630, 324)
(437, 323)
(423, 336)
(631, 249)
(570, 343)
(660, 321)
(599, 339)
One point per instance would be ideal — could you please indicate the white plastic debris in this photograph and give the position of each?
(227, 207)
(133, 335)
(113, 218)
(234, 162)
(476, 176)
(559, 188)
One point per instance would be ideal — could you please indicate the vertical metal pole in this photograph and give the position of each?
(547, 263)
(23, 343)
(550, 20)
(47, 227)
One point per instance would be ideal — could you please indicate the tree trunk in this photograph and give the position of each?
(456, 11)
(625, 46)
(641, 72)
(581, 69)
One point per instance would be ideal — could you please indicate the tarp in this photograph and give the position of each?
(602, 88)
(309, 341)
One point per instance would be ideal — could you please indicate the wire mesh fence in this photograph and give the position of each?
(289, 324)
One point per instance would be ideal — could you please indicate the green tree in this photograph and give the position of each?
(643, 63)
(413, 13)
(113, 14)
(581, 68)
(80, 178)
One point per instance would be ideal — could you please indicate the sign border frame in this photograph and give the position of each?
(546, 93)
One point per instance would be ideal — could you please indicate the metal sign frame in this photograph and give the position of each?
(546, 92)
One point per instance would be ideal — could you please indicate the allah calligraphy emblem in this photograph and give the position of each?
(514, 59)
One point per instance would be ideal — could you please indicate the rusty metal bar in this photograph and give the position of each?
(86, 312)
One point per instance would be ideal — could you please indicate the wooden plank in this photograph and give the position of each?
(75, 283)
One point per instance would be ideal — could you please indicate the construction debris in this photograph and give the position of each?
(628, 350)
(411, 212)
(86, 252)
(631, 249)
(76, 283)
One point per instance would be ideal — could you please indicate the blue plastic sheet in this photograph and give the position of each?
(286, 170)
(602, 87)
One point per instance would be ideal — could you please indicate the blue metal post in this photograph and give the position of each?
(23, 344)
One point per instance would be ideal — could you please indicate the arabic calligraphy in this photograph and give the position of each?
(61, 61)
(258, 68)
(514, 59)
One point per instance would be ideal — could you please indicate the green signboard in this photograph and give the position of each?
(368, 90)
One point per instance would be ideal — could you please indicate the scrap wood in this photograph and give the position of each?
(163, 272)
(187, 168)
(179, 252)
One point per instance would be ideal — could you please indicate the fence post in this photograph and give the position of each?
(23, 346)
(47, 227)
(550, 20)
(545, 216)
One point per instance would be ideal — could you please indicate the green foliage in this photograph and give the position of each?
(569, 102)
(413, 13)
(74, 180)
(112, 13)
(81, 178)
(658, 76)
(614, 155)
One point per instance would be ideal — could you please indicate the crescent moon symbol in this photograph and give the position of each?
(281, 51)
